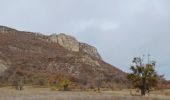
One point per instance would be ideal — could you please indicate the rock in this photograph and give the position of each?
(4, 29)
(68, 42)
(4, 63)
(89, 50)
(88, 60)
(3, 66)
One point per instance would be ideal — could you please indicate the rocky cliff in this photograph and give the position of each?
(70, 43)
(4, 29)
(85, 48)
(3, 66)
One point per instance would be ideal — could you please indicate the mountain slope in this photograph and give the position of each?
(34, 55)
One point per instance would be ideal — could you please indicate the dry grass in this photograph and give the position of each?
(47, 94)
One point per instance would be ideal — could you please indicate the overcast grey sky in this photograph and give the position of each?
(120, 29)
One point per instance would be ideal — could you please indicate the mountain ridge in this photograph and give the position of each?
(37, 55)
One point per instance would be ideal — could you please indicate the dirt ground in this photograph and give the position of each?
(48, 94)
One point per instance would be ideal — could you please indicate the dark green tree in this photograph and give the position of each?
(143, 76)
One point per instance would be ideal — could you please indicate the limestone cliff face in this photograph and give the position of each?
(3, 66)
(4, 29)
(4, 63)
(66, 41)
(89, 50)
(70, 43)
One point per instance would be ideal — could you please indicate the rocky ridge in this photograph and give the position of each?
(36, 55)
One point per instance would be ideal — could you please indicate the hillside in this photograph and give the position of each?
(37, 57)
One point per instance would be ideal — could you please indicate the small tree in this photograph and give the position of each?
(64, 83)
(143, 76)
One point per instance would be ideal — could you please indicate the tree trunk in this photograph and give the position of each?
(98, 88)
(143, 89)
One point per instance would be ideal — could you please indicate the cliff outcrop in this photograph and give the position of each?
(70, 43)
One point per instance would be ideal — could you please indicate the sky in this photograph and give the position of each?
(119, 29)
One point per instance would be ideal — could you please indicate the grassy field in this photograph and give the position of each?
(47, 94)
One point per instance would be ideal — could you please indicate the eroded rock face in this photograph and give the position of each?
(4, 63)
(70, 43)
(88, 60)
(4, 29)
(3, 66)
(66, 41)
(89, 50)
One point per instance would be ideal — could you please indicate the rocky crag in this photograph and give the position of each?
(70, 43)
